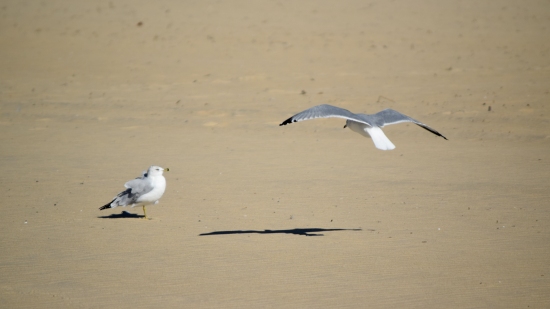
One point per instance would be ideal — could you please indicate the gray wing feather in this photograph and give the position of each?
(124, 198)
(390, 116)
(324, 111)
(135, 188)
(139, 186)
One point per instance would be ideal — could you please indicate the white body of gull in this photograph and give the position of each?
(142, 191)
(366, 125)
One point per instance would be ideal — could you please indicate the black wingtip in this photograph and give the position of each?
(439, 134)
(105, 207)
(431, 130)
(284, 123)
(108, 205)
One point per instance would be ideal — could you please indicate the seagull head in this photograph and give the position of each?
(155, 170)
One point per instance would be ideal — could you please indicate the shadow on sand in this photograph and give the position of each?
(304, 232)
(122, 215)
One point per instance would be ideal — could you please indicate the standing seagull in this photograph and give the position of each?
(144, 190)
(366, 125)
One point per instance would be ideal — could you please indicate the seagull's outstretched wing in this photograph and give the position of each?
(324, 111)
(390, 116)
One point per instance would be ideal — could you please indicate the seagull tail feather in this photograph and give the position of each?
(381, 141)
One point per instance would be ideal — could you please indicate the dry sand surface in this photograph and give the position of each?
(92, 93)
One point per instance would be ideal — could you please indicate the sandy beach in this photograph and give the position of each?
(257, 215)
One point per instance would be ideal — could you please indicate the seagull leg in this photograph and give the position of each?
(144, 212)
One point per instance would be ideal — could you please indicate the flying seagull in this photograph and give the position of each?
(366, 125)
(144, 190)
